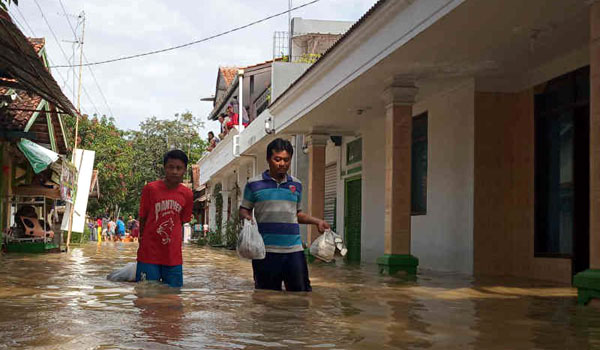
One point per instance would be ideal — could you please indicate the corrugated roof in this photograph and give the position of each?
(20, 60)
(357, 24)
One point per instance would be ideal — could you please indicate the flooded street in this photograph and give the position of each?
(63, 301)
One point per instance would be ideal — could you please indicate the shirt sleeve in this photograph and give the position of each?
(299, 203)
(186, 213)
(249, 198)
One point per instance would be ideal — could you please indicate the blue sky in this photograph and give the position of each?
(173, 82)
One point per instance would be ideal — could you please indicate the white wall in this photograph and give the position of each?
(443, 238)
(284, 74)
(373, 190)
(314, 26)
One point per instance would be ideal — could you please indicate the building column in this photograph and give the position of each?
(225, 196)
(212, 213)
(316, 181)
(588, 282)
(398, 99)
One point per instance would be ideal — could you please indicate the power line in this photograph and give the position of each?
(192, 42)
(86, 60)
(61, 50)
(50, 60)
(25, 20)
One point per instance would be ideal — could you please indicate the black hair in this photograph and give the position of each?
(176, 154)
(279, 145)
(211, 133)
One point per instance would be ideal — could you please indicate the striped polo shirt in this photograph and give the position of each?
(276, 205)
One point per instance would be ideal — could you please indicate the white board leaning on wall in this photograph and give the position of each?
(85, 168)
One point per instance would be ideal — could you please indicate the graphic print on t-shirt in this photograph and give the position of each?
(164, 231)
(165, 209)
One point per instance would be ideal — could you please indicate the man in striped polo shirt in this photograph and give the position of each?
(275, 198)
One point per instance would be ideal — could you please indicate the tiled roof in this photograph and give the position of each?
(263, 63)
(17, 120)
(228, 74)
(37, 43)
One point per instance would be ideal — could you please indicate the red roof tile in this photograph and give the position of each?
(37, 43)
(11, 119)
(228, 74)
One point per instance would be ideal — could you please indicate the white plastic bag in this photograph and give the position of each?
(125, 274)
(324, 246)
(250, 243)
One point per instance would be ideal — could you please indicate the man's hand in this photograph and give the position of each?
(246, 214)
(323, 226)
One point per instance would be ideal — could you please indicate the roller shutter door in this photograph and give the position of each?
(330, 194)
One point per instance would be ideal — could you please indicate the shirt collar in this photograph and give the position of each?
(267, 176)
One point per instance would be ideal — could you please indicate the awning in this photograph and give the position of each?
(39, 157)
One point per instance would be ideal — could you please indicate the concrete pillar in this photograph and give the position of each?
(588, 282)
(212, 213)
(316, 181)
(398, 98)
(225, 196)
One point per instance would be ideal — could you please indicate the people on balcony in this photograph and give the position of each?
(212, 141)
(234, 118)
(223, 120)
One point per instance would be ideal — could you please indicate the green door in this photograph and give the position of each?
(352, 218)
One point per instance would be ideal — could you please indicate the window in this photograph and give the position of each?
(354, 152)
(562, 167)
(419, 165)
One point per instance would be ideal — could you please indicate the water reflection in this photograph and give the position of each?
(63, 301)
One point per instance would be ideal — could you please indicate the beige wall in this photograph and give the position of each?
(504, 190)
(443, 238)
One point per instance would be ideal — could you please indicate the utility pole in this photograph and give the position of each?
(290, 30)
(72, 211)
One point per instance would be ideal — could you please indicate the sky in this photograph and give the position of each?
(168, 83)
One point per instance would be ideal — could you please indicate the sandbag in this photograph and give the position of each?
(250, 244)
(125, 274)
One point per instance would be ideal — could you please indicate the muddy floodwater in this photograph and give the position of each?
(63, 301)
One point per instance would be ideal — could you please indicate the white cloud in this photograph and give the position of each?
(173, 82)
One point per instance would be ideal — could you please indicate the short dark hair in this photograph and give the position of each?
(279, 145)
(211, 133)
(175, 154)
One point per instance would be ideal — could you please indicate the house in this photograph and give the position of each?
(226, 169)
(32, 107)
(463, 135)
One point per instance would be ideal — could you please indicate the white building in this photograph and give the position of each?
(469, 137)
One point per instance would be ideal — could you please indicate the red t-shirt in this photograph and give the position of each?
(165, 210)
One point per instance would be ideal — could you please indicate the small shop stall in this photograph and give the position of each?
(42, 182)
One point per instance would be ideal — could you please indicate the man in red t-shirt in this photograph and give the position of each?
(234, 119)
(165, 205)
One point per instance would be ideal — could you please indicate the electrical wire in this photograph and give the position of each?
(85, 59)
(192, 42)
(63, 52)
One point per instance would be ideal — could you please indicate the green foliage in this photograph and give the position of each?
(5, 3)
(232, 230)
(128, 160)
(214, 238)
(309, 58)
(218, 197)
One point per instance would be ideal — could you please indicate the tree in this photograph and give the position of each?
(113, 160)
(128, 160)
